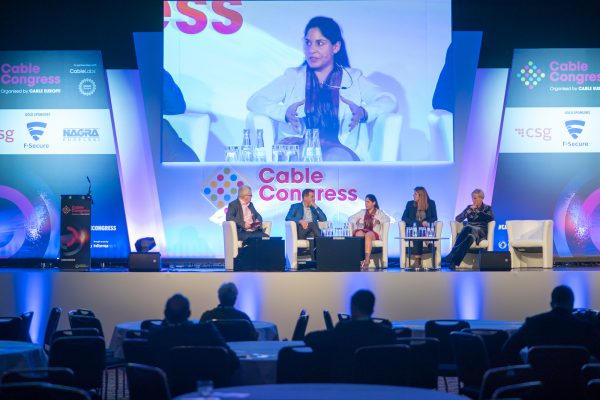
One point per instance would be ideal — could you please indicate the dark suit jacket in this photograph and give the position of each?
(336, 347)
(222, 312)
(296, 213)
(479, 218)
(410, 213)
(235, 213)
(164, 337)
(556, 327)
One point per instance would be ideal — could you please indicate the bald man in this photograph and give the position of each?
(247, 220)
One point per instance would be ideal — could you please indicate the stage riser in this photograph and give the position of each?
(279, 297)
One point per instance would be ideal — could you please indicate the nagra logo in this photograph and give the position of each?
(287, 185)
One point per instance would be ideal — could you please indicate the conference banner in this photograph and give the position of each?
(75, 224)
(56, 135)
(549, 147)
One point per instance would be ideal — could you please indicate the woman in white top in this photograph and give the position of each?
(324, 93)
(369, 223)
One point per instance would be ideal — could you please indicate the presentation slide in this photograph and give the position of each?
(550, 147)
(307, 81)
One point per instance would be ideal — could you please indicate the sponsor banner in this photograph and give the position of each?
(554, 78)
(75, 221)
(52, 80)
(73, 131)
(551, 130)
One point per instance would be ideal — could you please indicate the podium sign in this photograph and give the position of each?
(75, 228)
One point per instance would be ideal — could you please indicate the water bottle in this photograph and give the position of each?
(247, 146)
(316, 142)
(414, 229)
(308, 150)
(259, 152)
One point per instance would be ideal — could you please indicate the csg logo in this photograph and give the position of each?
(535, 133)
(195, 20)
(6, 135)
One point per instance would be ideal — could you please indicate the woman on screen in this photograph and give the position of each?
(369, 223)
(323, 93)
(419, 212)
(477, 216)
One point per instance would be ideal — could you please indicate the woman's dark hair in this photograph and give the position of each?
(332, 31)
(372, 198)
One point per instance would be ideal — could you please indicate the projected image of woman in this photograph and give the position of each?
(369, 223)
(324, 93)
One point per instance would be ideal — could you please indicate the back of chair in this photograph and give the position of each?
(39, 390)
(592, 389)
(84, 312)
(51, 326)
(441, 329)
(81, 321)
(147, 382)
(494, 339)
(188, 364)
(328, 320)
(525, 391)
(298, 364)
(382, 365)
(344, 317)
(147, 324)
(559, 368)
(300, 328)
(471, 359)
(590, 371)
(425, 355)
(138, 351)
(496, 378)
(84, 355)
(402, 332)
(75, 333)
(26, 318)
(235, 330)
(136, 334)
(11, 328)
(383, 321)
(55, 376)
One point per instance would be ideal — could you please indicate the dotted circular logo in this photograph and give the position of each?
(530, 75)
(502, 244)
(87, 87)
(222, 187)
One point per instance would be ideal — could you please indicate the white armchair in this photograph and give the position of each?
(530, 243)
(231, 242)
(292, 244)
(380, 259)
(426, 258)
(471, 258)
(193, 128)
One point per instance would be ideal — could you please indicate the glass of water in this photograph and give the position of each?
(232, 153)
(204, 388)
(247, 153)
(278, 153)
(292, 152)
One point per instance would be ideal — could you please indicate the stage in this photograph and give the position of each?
(117, 295)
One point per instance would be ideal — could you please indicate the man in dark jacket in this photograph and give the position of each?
(556, 327)
(247, 220)
(336, 347)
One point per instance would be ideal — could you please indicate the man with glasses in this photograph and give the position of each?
(247, 220)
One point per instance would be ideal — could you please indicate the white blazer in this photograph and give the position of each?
(359, 218)
(274, 99)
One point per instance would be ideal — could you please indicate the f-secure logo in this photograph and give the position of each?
(36, 129)
(575, 127)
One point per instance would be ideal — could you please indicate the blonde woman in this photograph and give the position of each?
(422, 212)
(369, 223)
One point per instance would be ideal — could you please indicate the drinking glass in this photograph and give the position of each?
(231, 153)
(278, 153)
(246, 153)
(292, 152)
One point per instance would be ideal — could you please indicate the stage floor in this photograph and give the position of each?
(117, 295)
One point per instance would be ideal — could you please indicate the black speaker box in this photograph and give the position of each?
(261, 254)
(494, 261)
(144, 262)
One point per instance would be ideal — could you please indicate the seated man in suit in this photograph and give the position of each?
(556, 327)
(307, 215)
(336, 347)
(178, 330)
(247, 220)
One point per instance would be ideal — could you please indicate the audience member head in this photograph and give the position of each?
(563, 298)
(227, 294)
(177, 309)
(371, 200)
(362, 304)
(245, 194)
(421, 198)
(308, 196)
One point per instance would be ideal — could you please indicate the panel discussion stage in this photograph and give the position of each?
(118, 297)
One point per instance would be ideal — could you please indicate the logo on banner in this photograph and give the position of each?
(6, 135)
(36, 129)
(80, 135)
(575, 127)
(535, 133)
(66, 210)
(87, 87)
(222, 187)
(530, 75)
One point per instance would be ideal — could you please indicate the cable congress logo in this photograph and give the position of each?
(530, 74)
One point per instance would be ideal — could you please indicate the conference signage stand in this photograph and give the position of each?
(75, 230)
